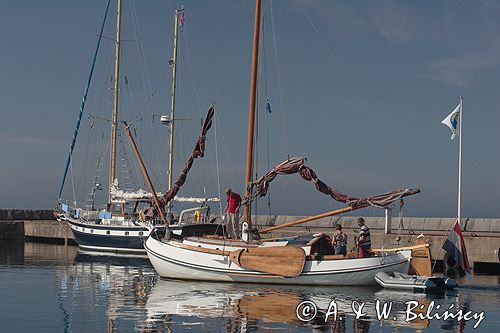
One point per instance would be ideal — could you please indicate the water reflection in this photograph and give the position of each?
(171, 302)
(118, 284)
(247, 307)
(116, 293)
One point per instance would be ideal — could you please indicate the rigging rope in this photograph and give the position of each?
(280, 87)
(268, 108)
(217, 165)
(82, 106)
(237, 178)
(365, 108)
(140, 51)
(296, 165)
(73, 183)
(339, 66)
(227, 55)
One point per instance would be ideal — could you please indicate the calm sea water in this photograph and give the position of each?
(50, 288)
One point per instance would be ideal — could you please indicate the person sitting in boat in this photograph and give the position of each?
(364, 241)
(339, 240)
(232, 209)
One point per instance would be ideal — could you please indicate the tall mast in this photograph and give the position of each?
(156, 202)
(247, 209)
(460, 160)
(114, 129)
(178, 12)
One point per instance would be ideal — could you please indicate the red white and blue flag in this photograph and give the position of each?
(455, 246)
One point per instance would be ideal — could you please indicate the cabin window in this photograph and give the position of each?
(141, 233)
(107, 232)
(117, 208)
(83, 229)
(126, 233)
(91, 231)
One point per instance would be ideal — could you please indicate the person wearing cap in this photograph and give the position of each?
(364, 241)
(232, 209)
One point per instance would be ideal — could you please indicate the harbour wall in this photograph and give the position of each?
(38, 225)
(482, 235)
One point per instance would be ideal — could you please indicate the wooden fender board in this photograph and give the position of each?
(286, 261)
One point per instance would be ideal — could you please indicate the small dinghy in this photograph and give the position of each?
(414, 283)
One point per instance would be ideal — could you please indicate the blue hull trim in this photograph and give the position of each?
(109, 242)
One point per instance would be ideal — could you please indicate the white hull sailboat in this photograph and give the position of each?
(272, 261)
(124, 223)
(176, 260)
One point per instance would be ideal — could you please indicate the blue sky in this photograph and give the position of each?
(364, 87)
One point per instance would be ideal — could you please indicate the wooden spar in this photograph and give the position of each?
(247, 209)
(172, 103)
(114, 129)
(333, 212)
(403, 248)
(145, 173)
(312, 218)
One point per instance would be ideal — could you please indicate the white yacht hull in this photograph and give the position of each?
(173, 261)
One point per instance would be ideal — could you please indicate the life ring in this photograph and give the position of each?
(197, 216)
(451, 267)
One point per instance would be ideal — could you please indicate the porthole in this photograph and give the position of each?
(141, 233)
(91, 231)
(126, 233)
(107, 232)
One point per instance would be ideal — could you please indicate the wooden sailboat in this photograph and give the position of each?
(277, 261)
(117, 228)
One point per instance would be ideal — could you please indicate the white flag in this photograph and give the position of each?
(452, 121)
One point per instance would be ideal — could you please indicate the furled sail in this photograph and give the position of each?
(198, 151)
(143, 195)
(296, 165)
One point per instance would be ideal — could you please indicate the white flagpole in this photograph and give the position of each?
(460, 159)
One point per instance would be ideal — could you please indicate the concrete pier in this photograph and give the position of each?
(34, 225)
(482, 236)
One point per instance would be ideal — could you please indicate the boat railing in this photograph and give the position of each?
(200, 215)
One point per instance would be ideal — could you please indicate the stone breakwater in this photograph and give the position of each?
(482, 235)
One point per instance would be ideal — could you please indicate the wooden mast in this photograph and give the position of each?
(460, 160)
(247, 209)
(112, 152)
(145, 173)
(172, 102)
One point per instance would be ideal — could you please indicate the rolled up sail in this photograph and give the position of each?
(296, 165)
(198, 151)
